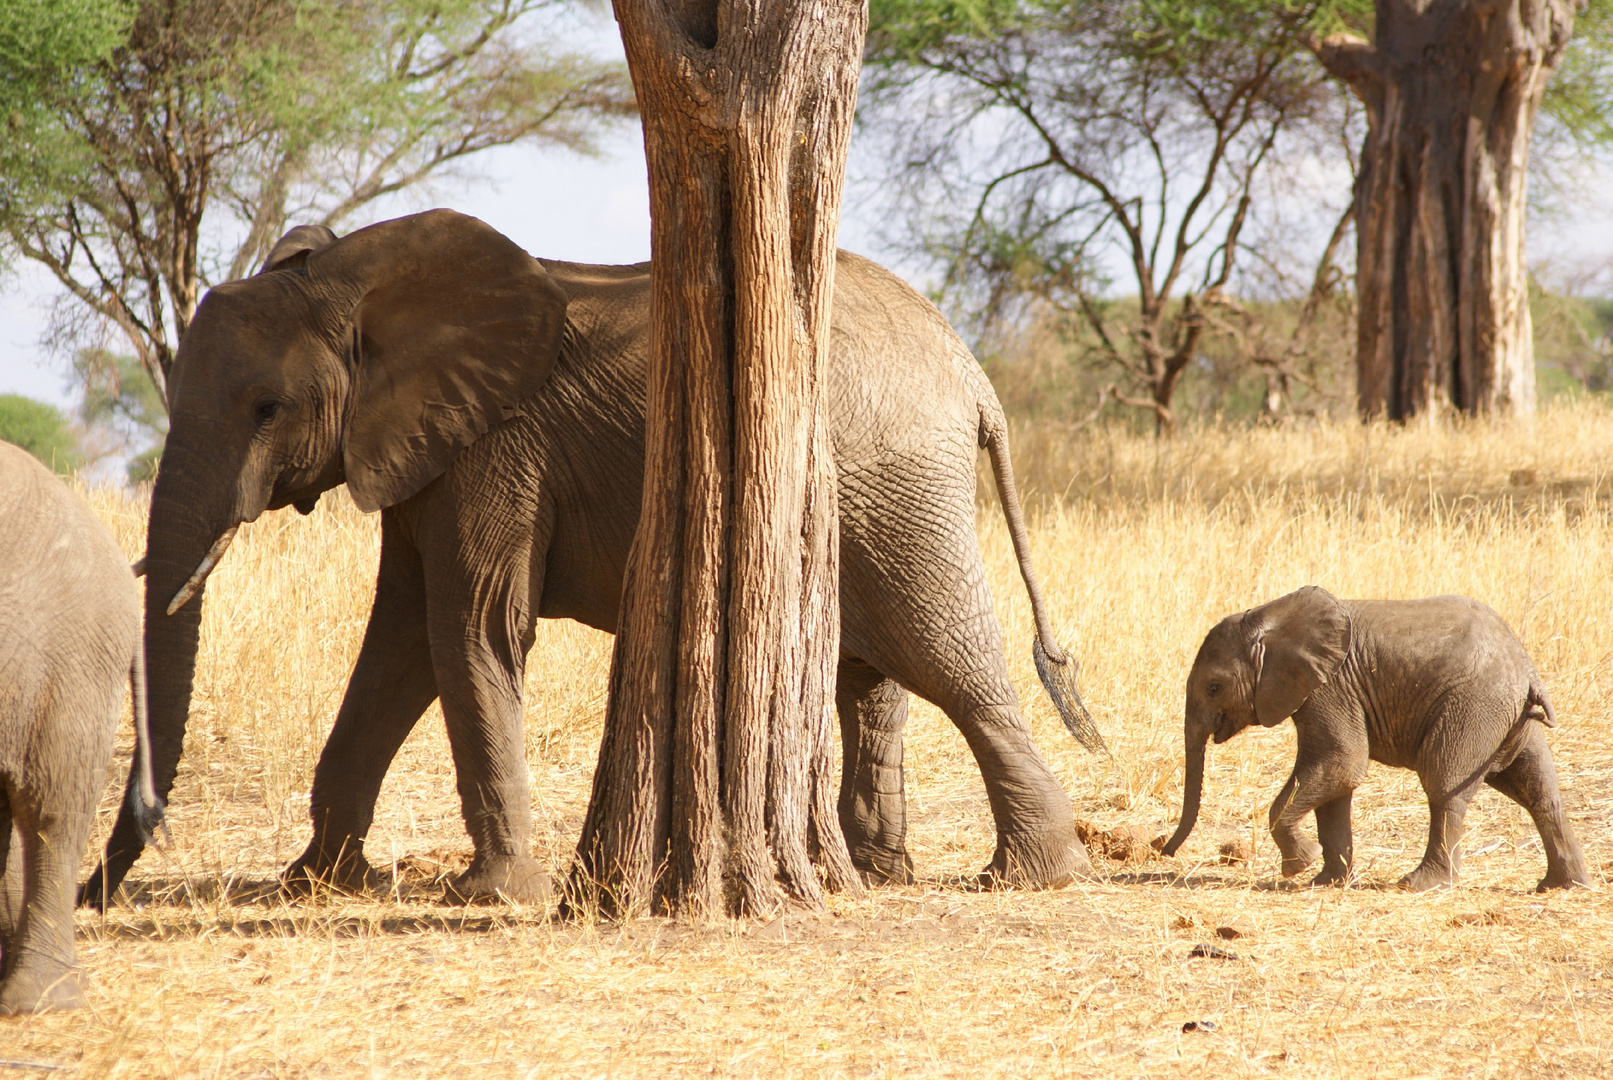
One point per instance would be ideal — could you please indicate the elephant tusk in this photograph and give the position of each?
(139, 566)
(210, 560)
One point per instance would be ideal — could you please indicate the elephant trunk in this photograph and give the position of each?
(186, 527)
(1191, 796)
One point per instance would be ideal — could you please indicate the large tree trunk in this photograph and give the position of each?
(715, 778)
(1451, 89)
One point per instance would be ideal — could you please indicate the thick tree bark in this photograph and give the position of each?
(1451, 89)
(715, 779)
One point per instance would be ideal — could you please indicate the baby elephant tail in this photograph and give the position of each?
(142, 803)
(1056, 668)
(142, 790)
(1537, 706)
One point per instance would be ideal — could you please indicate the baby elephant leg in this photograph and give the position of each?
(1338, 840)
(1332, 760)
(1443, 857)
(1289, 809)
(1531, 782)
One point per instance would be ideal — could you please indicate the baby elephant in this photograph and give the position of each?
(1441, 686)
(69, 627)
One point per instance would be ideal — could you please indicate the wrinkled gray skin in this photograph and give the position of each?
(492, 408)
(69, 627)
(1440, 685)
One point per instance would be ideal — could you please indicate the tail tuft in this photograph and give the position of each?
(147, 817)
(1058, 676)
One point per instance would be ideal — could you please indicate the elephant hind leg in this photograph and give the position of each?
(40, 961)
(1531, 782)
(1443, 857)
(873, 798)
(1037, 846)
(10, 880)
(392, 685)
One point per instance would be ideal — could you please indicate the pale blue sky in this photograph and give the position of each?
(554, 203)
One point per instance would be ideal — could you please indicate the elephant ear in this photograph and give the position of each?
(453, 325)
(292, 250)
(1299, 641)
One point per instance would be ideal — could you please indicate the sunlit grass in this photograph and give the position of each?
(1142, 546)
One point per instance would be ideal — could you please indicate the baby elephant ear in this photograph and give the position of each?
(1299, 642)
(453, 325)
(292, 249)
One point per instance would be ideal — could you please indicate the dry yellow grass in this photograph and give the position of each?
(1144, 546)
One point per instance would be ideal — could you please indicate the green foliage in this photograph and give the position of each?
(45, 41)
(247, 116)
(1579, 99)
(903, 30)
(46, 48)
(115, 396)
(40, 429)
(1573, 338)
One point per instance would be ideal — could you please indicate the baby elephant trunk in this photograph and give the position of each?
(1190, 797)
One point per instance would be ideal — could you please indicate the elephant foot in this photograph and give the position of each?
(1046, 860)
(1303, 854)
(27, 991)
(1332, 876)
(1426, 877)
(1582, 880)
(348, 873)
(882, 866)
(500, 879)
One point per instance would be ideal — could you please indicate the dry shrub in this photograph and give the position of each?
(1143, 546)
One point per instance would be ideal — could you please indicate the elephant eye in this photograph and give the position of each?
(1213, 689)
(266, 410)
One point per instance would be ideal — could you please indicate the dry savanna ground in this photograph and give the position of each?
(1144, 545)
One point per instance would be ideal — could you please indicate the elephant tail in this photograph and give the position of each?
(142, 797)
(1537, 706)
(1054, 666)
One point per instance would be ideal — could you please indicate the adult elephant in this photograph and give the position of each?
(69, 638)
(491, 406)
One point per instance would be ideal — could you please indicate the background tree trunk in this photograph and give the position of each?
(716, 767)
(1451, 88)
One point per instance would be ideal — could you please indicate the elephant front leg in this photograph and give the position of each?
(392, 685)
(486, 733)
(873, 798)
(11, 870)
(479, 658)
(1287, 812)
(1332, 759)
(1338, 841)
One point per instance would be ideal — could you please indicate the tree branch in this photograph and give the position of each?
(1352, 61)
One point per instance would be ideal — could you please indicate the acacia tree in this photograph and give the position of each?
(1451, 89)
(1041, 141)
(177, 160)
(716, 765)
(44, 44)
